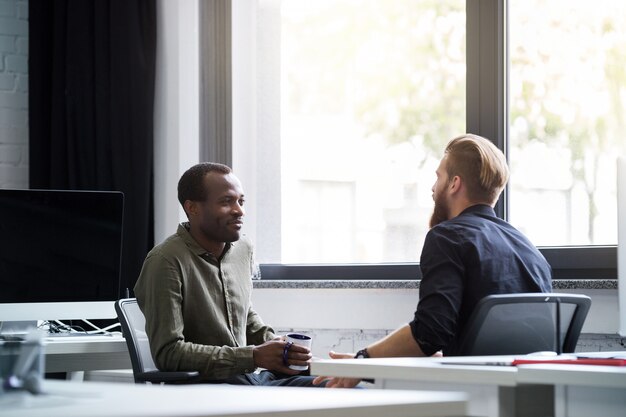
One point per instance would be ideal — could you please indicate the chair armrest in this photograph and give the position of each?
(167, 377)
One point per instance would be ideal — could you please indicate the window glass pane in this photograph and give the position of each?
(370, 93)
(567, 118)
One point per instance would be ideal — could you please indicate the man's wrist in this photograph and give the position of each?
(363, 353)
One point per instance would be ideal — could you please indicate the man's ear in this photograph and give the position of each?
(191, 208)
(455, 184)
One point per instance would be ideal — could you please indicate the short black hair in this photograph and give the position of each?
(191, 183)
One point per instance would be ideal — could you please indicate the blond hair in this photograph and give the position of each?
(481, 166)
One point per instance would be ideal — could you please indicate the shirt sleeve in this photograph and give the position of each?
(435, 323)
(158, 292)
(256, 331)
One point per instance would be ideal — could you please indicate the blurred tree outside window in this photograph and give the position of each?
(567, 95)
(371, 91)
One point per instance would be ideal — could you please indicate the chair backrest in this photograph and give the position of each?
(133, 325)
(511, 324)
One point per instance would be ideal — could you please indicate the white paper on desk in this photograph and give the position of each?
(601, 355)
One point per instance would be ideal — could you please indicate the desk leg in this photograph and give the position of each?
(484, 400)
(75, 376)
(526, 401)
(582, 401)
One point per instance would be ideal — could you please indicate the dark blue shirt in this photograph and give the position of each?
(465, 259)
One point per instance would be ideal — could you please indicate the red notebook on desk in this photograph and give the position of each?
(577, 361)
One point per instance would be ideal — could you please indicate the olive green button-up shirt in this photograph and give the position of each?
(198, 308)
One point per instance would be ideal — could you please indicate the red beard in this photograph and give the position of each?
(440, 212)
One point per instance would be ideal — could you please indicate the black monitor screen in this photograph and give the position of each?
(60, 246)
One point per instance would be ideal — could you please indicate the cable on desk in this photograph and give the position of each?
(58, 327)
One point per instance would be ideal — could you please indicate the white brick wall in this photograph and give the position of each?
(13, 94)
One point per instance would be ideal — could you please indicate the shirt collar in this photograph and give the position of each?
(479, 209)
(183, 233)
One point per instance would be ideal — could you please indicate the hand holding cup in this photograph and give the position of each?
(296, 339)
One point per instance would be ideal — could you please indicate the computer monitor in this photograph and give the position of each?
(60, 254)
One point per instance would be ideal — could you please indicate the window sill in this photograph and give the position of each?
(557, 284)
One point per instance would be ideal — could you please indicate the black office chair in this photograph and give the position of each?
(511, 324)
(133, 325)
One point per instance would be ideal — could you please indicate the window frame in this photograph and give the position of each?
(486, 115)
(568, 263)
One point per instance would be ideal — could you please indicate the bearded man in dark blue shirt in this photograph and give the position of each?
(468, 253)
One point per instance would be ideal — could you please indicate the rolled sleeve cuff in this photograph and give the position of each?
(245, 359)
(427, 348)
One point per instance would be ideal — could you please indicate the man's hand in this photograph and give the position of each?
(269, 355)
(336, 382)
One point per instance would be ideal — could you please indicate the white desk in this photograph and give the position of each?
(493, 390)
(68, 399)
(580, 390)
(528, 390)
(86, 353)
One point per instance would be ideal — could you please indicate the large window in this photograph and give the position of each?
(353, 102)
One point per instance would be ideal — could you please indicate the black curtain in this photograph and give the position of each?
(91, 98)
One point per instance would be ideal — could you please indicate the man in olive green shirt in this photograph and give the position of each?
(195, 288)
